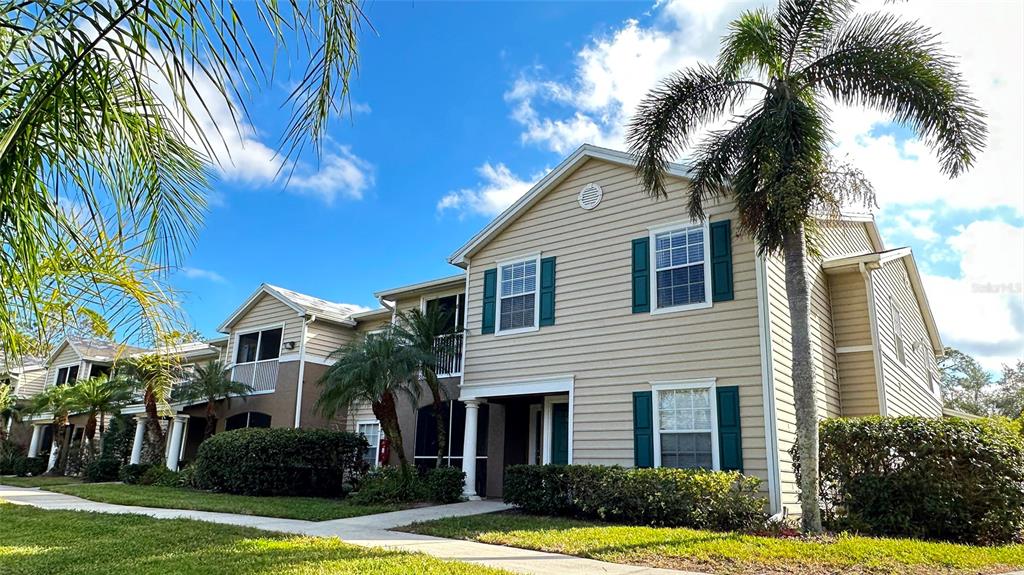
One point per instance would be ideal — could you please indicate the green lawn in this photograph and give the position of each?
(308, 508)
(34, 541)
(41, 481)
(726, 552)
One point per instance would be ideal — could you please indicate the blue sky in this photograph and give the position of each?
(458, 108)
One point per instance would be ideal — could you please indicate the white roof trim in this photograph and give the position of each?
(877, 258)
(922, 301)
(370, 314)
(251, 301)
(390, 293)
(549, 181)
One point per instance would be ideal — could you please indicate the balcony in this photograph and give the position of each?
(449, 355)
(261, 375)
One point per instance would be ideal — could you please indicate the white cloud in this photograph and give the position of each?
(341, 173)
(498, 191)
(198, 273)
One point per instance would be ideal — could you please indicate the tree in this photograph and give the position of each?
(153, 375)
(98, 397)
(965, 384)
(104, 151)
(773, 157)
(211, 384)
(10, 410)
(1008, 399)
(57, 401)
(378, 370)
(425, 331)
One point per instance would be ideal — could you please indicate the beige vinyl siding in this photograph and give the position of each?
(67, 356)
(374, 324)
(857, 381)
(907, 388)
(268, 313)
(832, 239)
(851, 316)
(31, 382)
(324, 338)
(610, 351)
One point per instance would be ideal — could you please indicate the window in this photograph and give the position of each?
(96, 370)
(452, 310)
(370, 430)
(259, 345)
(685, 418)
(67, 375)
(681, 274)
(517, 308)
(247, 419)
(897, 330)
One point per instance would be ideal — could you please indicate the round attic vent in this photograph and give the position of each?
(590, 196)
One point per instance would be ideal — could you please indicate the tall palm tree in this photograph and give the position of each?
(377, 370)
(210, 383)
(104, 147)
(57, 401)
(154, 376)
(426, 331)
(773, 74)
(98, 397)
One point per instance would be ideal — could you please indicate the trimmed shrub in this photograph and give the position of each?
(159, 476)
(946, 479)
(658, 497)
(444, 484)
(387, 485)
(132, 473)
(29, 466)
(308, 462)
(187, 476)
(102, 469)
(10, 453)
(116, 442)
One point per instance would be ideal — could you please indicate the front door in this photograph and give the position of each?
(560, 433)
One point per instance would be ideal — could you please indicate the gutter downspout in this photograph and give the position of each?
(876, 349)
(302, 369)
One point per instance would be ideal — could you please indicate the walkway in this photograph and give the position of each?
(367, 531)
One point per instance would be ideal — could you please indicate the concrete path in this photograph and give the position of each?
(367, 531)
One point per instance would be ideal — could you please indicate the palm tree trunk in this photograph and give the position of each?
(439, 419)
(154, 432)
(387, 415)
(211, 420)
(794, 249)
(62, 453)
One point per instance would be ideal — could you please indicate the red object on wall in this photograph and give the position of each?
(385, 451)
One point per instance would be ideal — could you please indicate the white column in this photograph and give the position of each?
(140, 435)
(177, 435)
(37, 437)
(469, 448)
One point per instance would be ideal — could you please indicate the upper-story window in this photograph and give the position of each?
(259, 345)
(680, 267)
(517, 295)
(897, 330)
(67, 375)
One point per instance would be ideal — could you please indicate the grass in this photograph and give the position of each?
(727, 553)
(41, 481)
(79, 543)
(307, 508)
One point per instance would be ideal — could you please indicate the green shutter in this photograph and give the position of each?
(547, 291)
(730, 440)
(721, 261)
(641, 275)
(643, 429)
(490, 295)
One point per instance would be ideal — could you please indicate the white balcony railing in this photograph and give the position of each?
(261, 375)
(449, 355)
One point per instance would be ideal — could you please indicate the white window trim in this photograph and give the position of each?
(653, 273)
(549, 415)
(898, 336)
(536, 296)
(245, 331)
(380, 436)
(708, 384)
(56, 372)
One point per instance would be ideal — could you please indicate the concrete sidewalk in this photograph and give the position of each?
(366, 531)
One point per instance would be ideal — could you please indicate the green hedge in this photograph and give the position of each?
(132, 474)
(946, 479)
(30, 466)
(307, 462)
(102, 469)
(444, 484)
(659, 497)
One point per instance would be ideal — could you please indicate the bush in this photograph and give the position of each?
(116, 442)
(659, 497)
(388, 485)
(444, 484)
(947, 479)
(29, 466)
(102, 469)
(10, 453)
(132, 473)
(309, 462)
(187, 477)
(159, 476)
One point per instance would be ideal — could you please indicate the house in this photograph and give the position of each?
(605, 327)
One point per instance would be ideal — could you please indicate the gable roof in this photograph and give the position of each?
(545, 185)
(95, 349)
(304, 305)
(452, 281)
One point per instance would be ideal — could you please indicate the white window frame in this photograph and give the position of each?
(56, 373)
(259, 342)
(708, 384)
(899, 341)
(653, 255)
(380, 436)
(536, 296)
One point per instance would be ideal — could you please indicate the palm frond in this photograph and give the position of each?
(803, 24)
(752, 44)
(367, 369)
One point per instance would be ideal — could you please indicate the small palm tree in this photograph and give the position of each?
(154, 376)
(773, 158)
(425, 331)
(97, 397)
(57, 401)
(10, 409)
(210, 383)
(377, 370)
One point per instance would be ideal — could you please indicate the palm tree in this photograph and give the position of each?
(210, 383)
(103, 152)
(376, 370)
(773, 157)
(57, 401)
(10, 410)
(425, 331)
(153, 375)
(97, 397)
